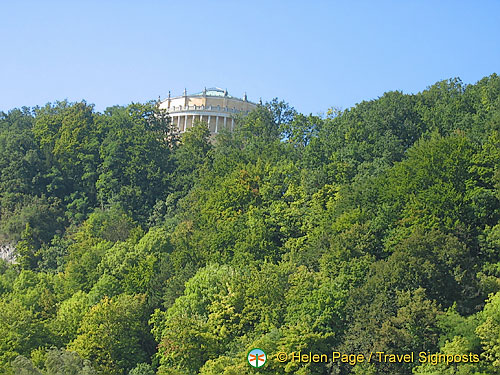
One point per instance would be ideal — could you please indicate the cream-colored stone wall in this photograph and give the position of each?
(222, 102)
(198, 101)
(216, 111)
(214, 102)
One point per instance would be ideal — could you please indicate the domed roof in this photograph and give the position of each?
(210, 92)
(214, 91)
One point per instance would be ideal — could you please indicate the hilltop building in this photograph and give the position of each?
(214, 106)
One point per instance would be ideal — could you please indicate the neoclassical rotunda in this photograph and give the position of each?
(214, 106)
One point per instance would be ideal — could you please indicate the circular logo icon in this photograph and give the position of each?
(257, 357)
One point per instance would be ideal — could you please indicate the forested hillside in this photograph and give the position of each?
(375, 228)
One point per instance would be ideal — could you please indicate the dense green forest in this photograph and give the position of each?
(375, 228)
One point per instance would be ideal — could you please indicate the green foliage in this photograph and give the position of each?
(68, 136)
(142, 369)
(430, 186)
(135, 156)
(42, 214)
(489, 330)
(56, 362)
(191, 156)
(375, 228)
(60, 361)
(20, 331)
(22, 164)
(113, 334)
(69, 317)
(23, 366)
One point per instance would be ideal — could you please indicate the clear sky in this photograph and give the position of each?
(312, 54)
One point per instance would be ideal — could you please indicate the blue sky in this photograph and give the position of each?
(312, 54)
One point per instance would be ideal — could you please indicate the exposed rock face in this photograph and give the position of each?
(7, 252)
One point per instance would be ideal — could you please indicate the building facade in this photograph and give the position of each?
(214, 106)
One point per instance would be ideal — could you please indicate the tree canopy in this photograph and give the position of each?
(140, 252)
